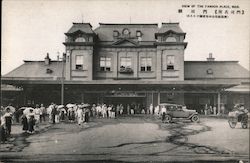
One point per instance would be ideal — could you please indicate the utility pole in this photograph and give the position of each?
(62, 80)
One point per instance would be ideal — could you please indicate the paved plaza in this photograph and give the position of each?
(132, 139)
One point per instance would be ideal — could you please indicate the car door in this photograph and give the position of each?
(179, 113)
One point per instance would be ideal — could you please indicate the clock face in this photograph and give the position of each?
(126, 32)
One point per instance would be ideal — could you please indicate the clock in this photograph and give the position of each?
(125, 31)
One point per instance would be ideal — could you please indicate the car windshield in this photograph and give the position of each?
(184, 108)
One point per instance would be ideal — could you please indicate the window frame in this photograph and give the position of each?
(126, 62)
(115, 33)
(105, 67)
(138, 34)
(144, 67)
(170, 66)
(79, 66)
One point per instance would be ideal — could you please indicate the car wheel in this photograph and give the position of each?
(195, 118)
(168, 118)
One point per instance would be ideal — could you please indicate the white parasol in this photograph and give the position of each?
(70, 105)
(22, 108)
(85, 105)
(12, 109)
(27, 110)
(60, 106)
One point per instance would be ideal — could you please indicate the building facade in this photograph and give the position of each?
(129, 64)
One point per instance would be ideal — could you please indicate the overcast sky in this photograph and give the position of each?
(31, 28)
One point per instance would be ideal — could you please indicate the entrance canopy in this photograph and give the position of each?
(136, 85)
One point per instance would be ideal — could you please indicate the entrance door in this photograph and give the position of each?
(136, 103)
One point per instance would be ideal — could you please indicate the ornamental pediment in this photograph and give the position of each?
(79, 32)
(125, 42)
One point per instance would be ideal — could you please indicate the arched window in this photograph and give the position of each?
(80, 39)
(171, 39)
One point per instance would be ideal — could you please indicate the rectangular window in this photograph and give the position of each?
(170, 62)
(105, 64)
(79, 62)
(126, 62)
(146, 64)
(115, 33)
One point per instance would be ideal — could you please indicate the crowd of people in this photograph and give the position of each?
(31, 117)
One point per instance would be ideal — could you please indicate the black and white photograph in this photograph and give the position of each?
(117, 81)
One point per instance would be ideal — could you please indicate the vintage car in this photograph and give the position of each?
(179, 111)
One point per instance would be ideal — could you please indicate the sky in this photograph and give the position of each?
(32, 28)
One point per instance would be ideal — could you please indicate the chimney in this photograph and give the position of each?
(210, 57)
(47, 59)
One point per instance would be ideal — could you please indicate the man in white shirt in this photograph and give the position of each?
(151, 108)
(38, 113)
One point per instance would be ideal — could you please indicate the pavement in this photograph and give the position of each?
(134, 139)
(17, 134)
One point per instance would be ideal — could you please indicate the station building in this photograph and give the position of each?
(135, 64)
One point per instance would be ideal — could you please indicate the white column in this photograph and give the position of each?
(218, 103)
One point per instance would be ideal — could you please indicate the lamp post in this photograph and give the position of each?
(62, 80)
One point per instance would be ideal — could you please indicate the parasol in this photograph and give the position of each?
(85, 105)
(22, 108)
(27, 110)
(60, 106)
(12, 109)
(70, 105)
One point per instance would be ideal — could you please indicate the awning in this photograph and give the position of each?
(187, 85)
(239, 89)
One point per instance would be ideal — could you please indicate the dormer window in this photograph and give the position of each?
(138, 34)
(115, 33)
(80, 39)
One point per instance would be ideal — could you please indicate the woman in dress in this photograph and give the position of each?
(38, 113)
(31, 121)
(3, 137)
(25, 123)
(79, 114)
(8, 121)
(70, 113)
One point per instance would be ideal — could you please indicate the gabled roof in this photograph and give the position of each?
(84, 27)
(36, 69)
(105, 31)
(193, 70)
(166, 27)
(220, 70)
